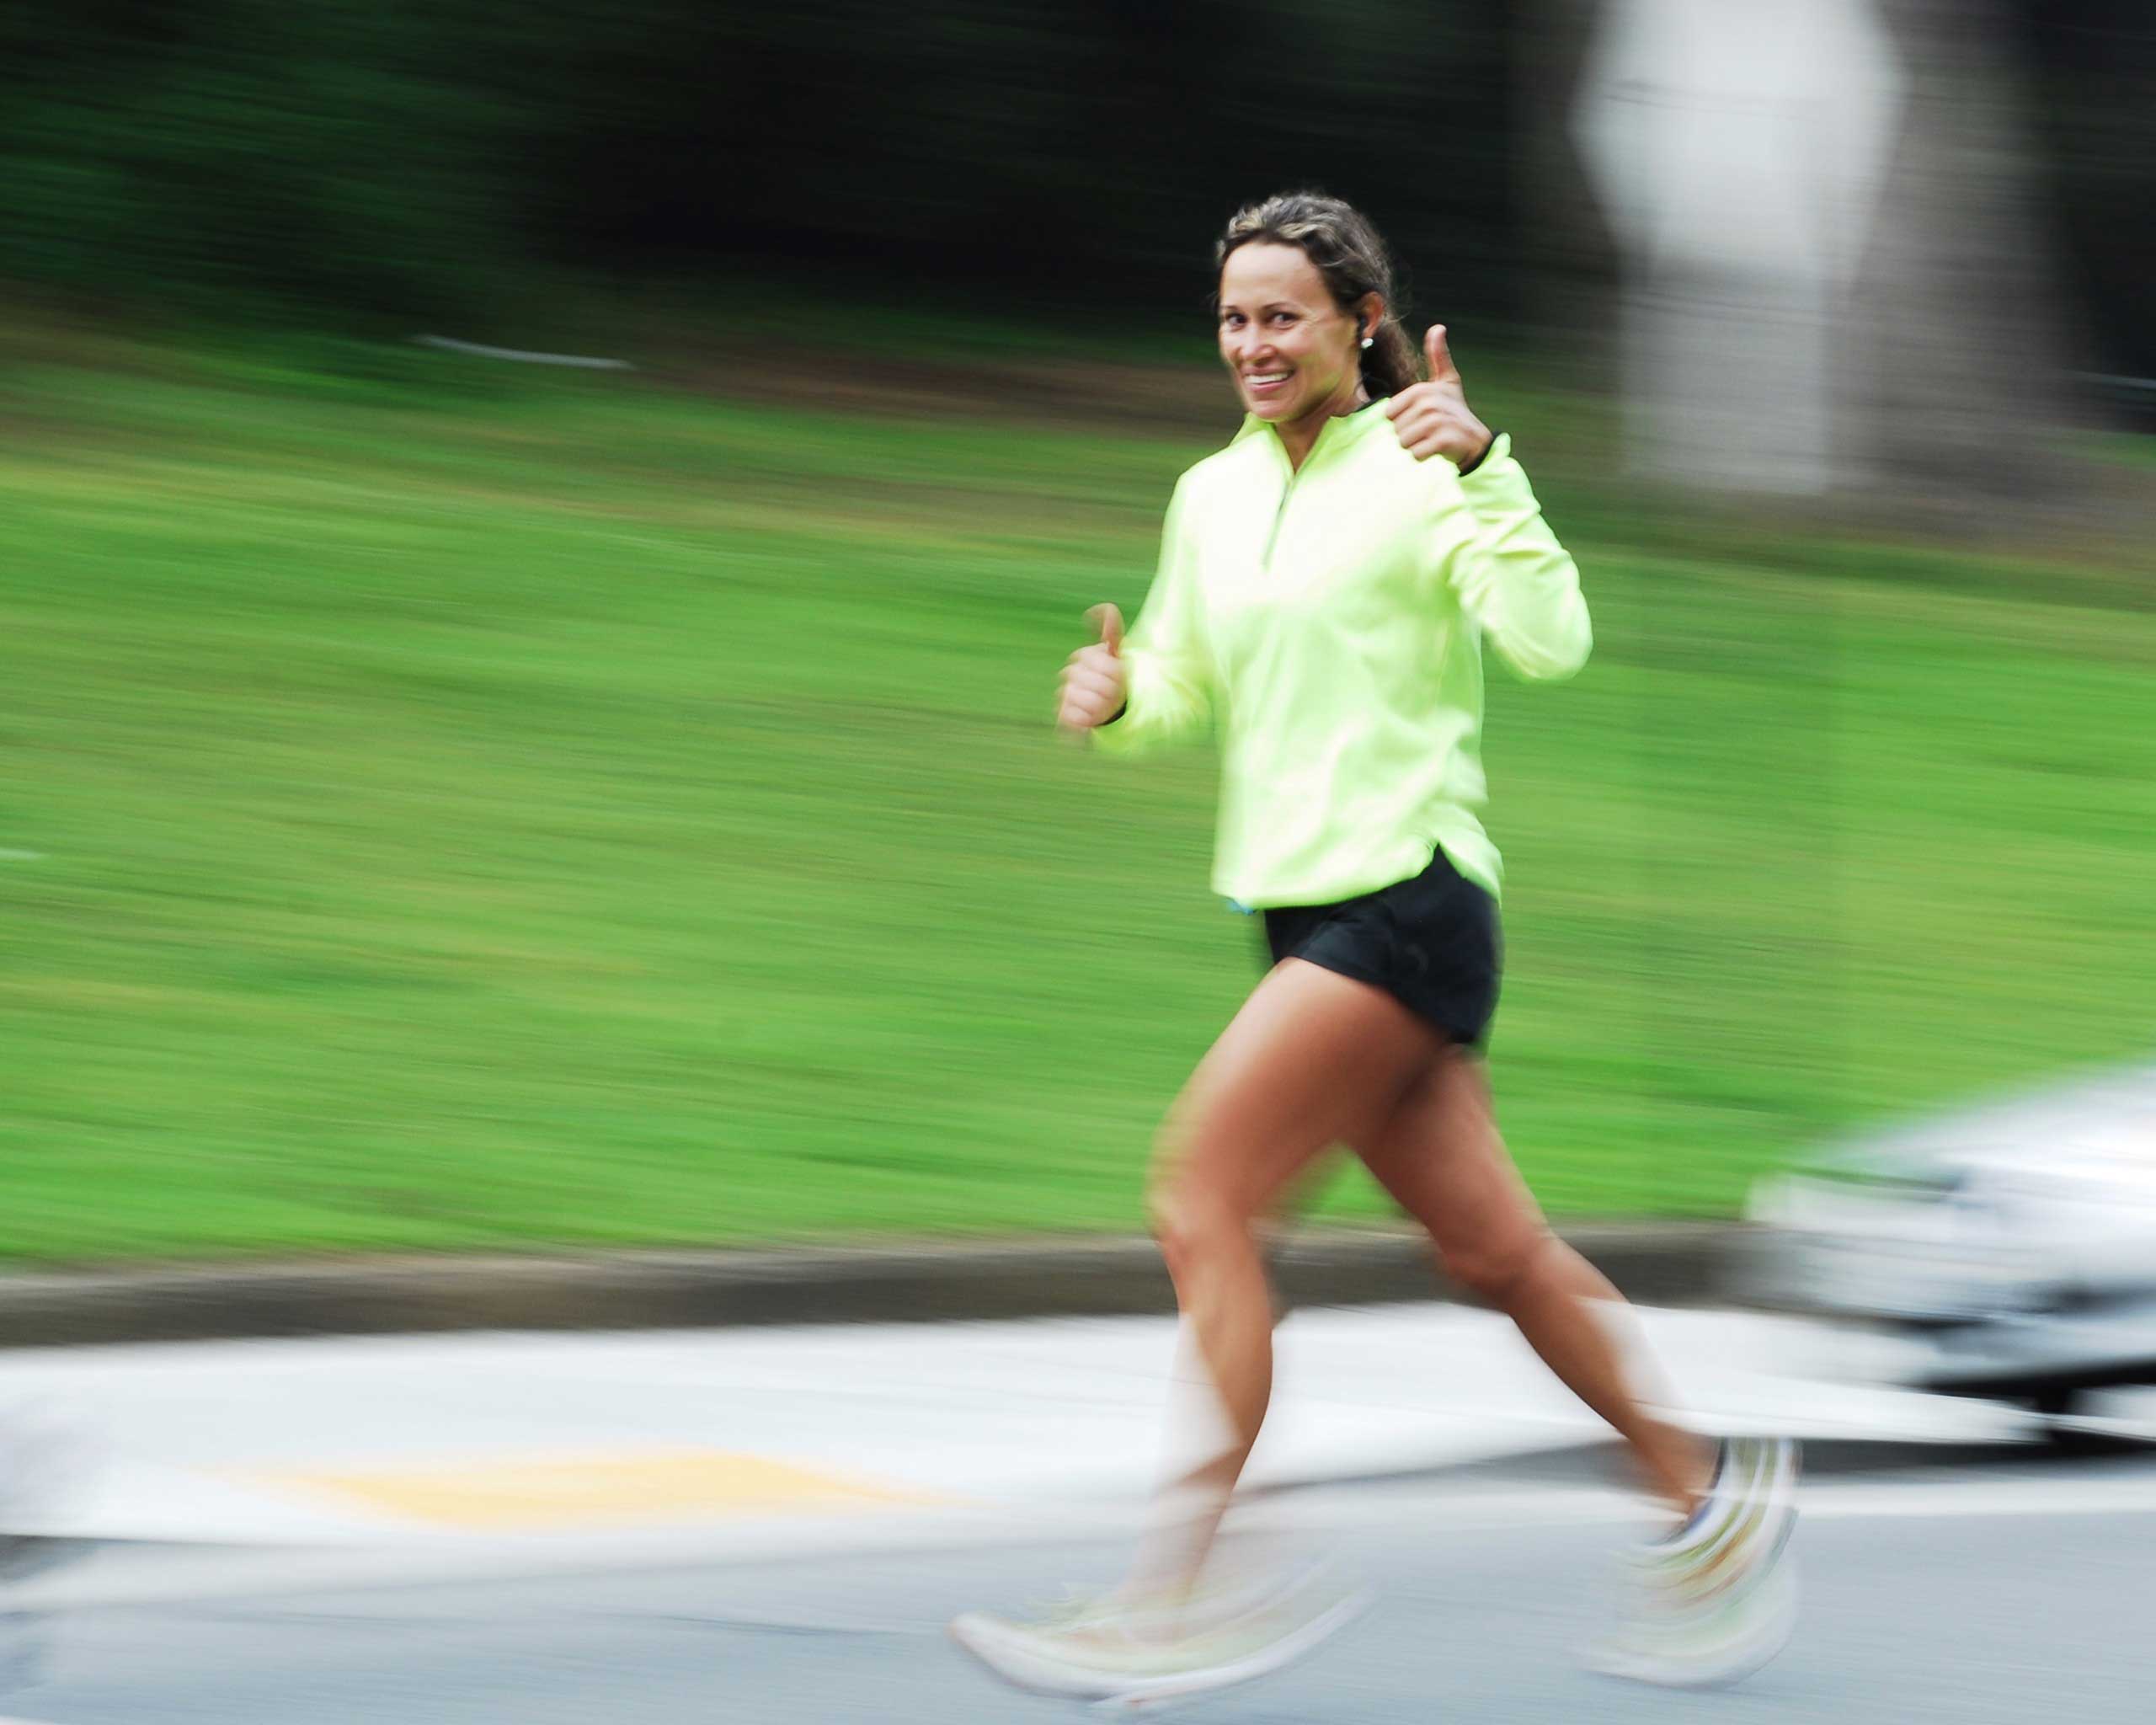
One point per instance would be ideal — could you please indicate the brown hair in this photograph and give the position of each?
(1338, 239)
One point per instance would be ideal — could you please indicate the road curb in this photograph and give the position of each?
(1663, 1263)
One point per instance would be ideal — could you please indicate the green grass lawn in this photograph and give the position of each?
(462, 810)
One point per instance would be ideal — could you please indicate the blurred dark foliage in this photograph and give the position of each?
(399, 159)
(251, 154)
(2092, 99)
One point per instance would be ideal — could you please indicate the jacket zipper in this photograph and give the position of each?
(1287, 493)
(1279, 515)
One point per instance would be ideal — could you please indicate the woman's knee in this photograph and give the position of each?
(1494, 1271)
(1196, 1228)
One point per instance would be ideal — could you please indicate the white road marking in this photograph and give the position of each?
(1852, 1499)
(1435, 1503)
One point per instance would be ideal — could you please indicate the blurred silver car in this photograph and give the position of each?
(2014, 1246)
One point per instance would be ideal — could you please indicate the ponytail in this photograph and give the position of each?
(1391, 362)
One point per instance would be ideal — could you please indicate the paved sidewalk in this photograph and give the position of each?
(474, 1452)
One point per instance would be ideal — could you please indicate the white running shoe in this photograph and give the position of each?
(1717, 1600)
(1124, 1656)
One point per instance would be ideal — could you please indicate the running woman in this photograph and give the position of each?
(1324, 586)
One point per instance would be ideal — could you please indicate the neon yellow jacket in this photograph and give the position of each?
(1329, 622)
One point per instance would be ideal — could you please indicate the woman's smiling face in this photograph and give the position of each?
(1292, 352)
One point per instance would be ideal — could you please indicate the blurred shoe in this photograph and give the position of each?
(1717, 1599)
(1129, 1655)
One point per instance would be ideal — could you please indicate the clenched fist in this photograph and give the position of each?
(1093, 686)
(1433, 417)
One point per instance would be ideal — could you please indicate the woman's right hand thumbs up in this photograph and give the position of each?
(1093, 686)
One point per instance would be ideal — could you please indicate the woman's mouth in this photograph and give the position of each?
(1265, 383)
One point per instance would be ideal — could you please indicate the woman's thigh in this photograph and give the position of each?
(1313, 1059)
(1440, 1156)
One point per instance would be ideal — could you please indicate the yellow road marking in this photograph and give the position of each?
(526, 1491)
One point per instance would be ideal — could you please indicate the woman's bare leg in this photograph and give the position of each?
(1441, 1158)
(1312, 1059)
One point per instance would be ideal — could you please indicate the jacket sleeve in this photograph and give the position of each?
(1518, 584)
(1167, 669)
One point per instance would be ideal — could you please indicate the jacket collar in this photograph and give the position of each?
(1336, 432)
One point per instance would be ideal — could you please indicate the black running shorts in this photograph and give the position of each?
(1432, 942)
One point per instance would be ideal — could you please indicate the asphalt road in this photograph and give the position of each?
(1974, 1589)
